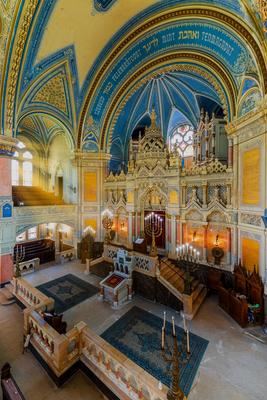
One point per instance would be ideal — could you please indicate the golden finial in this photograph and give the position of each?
(153, 117)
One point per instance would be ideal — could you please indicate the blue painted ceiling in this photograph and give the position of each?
(177, 97)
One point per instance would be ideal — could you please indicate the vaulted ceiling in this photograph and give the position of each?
(94, 69)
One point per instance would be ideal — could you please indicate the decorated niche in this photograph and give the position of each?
(193, 233)
(194, 215)
(218, 238)
(122, 226)
(218, 244)
(154, 199)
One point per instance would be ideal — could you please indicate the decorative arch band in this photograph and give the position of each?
(211, 14)
(113, 110)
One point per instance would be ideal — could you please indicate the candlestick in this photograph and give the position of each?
(173, 327)
(176, 357)
(162, 337)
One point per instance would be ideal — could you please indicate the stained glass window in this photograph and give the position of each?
(182, 139)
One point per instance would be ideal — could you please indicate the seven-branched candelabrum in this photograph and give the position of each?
(189, 255)
(107, 222)
(153, 228)
(20, 254)
(176, 357)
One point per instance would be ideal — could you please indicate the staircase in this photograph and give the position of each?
(173, 278)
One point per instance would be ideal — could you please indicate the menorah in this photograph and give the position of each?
(20, 254)
(177, 357)
(153, 228)
(188, 254)
(107, 222)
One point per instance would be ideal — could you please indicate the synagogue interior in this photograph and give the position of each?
(133, 199)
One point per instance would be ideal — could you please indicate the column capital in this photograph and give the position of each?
(84, 158)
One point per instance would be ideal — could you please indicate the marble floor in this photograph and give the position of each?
(233, 368)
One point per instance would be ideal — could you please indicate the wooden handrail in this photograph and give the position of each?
(10, 389)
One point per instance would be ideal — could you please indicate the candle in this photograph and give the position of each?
(173, 327)
(162, 338)
(184, 323)
(187, 342)
(164, 319)
(198, 256)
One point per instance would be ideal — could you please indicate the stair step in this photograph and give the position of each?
(168, 274)
(194, 284)
(199, 300)
(197, 291)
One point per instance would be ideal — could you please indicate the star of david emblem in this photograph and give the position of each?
(64, 289)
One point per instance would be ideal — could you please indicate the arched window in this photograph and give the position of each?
(15, 172)
(27, 173)
(21, 145)
(21, 166)
(32, 233)
(182, 138)
(27, 155)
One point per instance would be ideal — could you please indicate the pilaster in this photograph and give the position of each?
(7, 225)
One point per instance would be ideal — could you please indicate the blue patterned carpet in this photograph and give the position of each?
(137, 334)
(67, 291)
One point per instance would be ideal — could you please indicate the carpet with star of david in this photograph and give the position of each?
(137, 334)
(67, 291)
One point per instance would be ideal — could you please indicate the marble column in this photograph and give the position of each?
(234, 247)
(230, 153)
(204, 191)
(228, 195)
(7, 225)
(142, 222)
(173, 235)
(229, 247)
(205, 242)
(183, 195)
(130, 229)
(116, 220)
